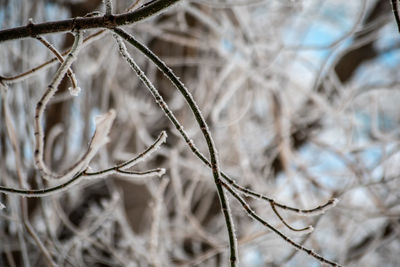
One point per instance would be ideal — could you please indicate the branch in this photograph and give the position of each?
(60, 58)
(395, 8)
(106, 21)
(88, 40)
(253, 215)
(214, 165)
(118, 169)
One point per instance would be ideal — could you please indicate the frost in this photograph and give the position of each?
(74, 91)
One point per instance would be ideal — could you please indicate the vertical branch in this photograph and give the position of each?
(200, 120)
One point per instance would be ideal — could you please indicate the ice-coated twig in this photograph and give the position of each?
(304, 230)
(199, 118)
(43, 192)
(168, 72)
(304, 212)
(120, 169)
(254, 215)
(27, 74)
(103, 127)
(134, 174)
(60, 58)
(41, 105)
(117, 170)
(88, 40)
(145, 154)
(99, 139)
(103, 123)
(129, 174)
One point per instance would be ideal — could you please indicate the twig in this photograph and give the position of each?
(40, 107)
(91, 175)
(60, 58)
(307, 229)
(276, 231)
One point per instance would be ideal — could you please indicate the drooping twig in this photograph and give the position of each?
(118, 169)
(26, 74)
(307, 229)
(276, 231)
(100, 137)
(60, 58)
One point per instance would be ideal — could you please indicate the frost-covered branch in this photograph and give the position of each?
(83, 23)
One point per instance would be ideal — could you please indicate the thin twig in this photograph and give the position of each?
(41, 106)
(307, 229)
(276, 231)
(60, 58)
(91, 175)
(22, 76)
(130, 163)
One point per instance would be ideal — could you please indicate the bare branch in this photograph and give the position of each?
(83, 23)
